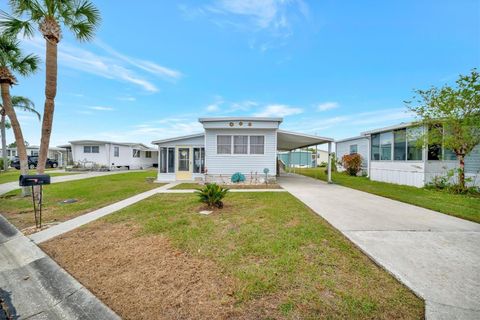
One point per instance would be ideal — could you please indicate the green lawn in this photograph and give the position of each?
(91, 193)
(277, 249)
(12, 175)
(462, 206)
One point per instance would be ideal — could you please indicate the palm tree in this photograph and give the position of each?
(81, 17)
(13, 60)
(18, 102)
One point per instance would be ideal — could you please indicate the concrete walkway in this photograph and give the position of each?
(10, 186)
(436, 255)
(33, 286)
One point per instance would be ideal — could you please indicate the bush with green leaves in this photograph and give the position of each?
(237, 177)
(352, 163)
(212, 194)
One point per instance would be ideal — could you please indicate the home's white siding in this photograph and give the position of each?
(399, 172)
(192, 141)
(79, 156)
(106, 156)
(343, 148)
(226, 165)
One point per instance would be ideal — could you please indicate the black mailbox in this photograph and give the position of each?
(27, 180)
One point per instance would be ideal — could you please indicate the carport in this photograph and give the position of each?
(290, 141)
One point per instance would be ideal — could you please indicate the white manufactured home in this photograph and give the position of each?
(54, 153)
(353, 145)
(112, 155)
(394, 156)
(248, 145)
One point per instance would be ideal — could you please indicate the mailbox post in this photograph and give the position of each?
(27, 180)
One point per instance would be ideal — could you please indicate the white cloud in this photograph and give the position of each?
(327, 106)
(363, 120)
(213, 107)
(101, 108)
(114, 65)
(126, 98)
(278, 110)
(275, 18)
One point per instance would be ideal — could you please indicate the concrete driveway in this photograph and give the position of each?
(436, 255)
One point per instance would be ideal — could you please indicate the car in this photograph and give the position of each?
(33, 161)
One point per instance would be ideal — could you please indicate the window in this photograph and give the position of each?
(163, 160)
(183, 159)
(90, 149)
(224, 144)
(116, 151)
(400, 144)
(386, 145)
(353, 148)
(148, 154)
(257, 144)
(198, 160)
(34, 153)
(375, 147)
(414, 150)
(171, 160)
(167, 160)
(136, 153)
(8, 153)
(240, 144)
(449, 155)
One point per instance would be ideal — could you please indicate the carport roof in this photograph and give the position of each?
(287, 140)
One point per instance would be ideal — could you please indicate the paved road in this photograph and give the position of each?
(33, 286)
(9, 186)
(436, 255)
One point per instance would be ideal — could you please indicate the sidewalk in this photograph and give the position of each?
(33, 286)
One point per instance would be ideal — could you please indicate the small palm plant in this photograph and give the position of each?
(212, 194)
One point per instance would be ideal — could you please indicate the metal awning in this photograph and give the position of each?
(287, 140)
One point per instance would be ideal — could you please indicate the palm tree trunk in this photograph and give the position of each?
(4, 141)
(17, 131)
(50, 93)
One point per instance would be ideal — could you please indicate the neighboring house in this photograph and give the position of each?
(350, 146)
(248, 145)
(396, 158)
(322, 157)
(112, 154)
(298, 158)
(55, 153)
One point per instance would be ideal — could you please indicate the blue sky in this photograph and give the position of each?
(329, 68)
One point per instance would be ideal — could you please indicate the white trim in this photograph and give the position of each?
(196, 135)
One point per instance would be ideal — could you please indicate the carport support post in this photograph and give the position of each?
(329, 164)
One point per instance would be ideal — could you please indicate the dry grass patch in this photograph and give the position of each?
(264, 256)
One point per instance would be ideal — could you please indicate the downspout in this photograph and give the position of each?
(369, 156)
(329, 166)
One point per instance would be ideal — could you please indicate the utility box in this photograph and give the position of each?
(27, 180)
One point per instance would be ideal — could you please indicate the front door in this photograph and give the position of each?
(184, 164)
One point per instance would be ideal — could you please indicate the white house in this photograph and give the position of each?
(55, 153)
(248, 145)
(112, 154)
(396, 158)
(353, 145)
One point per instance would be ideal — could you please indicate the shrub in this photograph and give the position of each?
(1, 163)
(352, 163)
(237, 177)
(212, 194)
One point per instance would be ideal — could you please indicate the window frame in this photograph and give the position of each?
(116, 151)
(257, 144)
(224, 144)
(136, 153)
(245, 145)
(350, 148)
(148, 154)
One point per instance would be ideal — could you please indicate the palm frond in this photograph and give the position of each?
(31, 8)
(12, 26)
(83, 19)
(25, 104)
(27, 65)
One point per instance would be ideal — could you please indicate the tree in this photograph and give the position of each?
(452, 116)
(81, 17)
(13, 60)
(18, 102)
